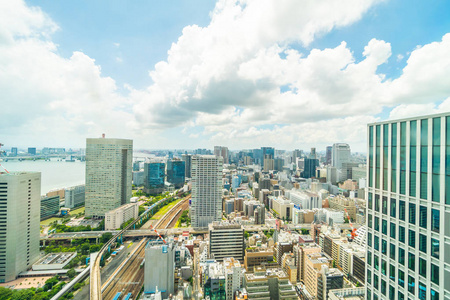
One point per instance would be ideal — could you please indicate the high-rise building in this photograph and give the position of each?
(14, 151)
(49, 207)
(269, 163)
(341, 154)
(206, 204)
(222, 152)
(176, 171)
(187, 158)
(154, 174)
(267, 152)
(408, 194)
(32, 151)
(310, 167)
(159, 269)
(75, 196)
(226, 240)
(233, 278)
(328, 155)
(136, 166)
(108, 174)
(20, 194)
(116, 217)
(296, 154)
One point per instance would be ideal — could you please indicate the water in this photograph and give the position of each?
(54, 174)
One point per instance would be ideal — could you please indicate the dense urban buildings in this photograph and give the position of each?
(108, 174)
(206, 205)
(20, 194)
(408, 255)
(75, 196)
(226, 240)
(116, 217)
(222, 152)
(187, 158)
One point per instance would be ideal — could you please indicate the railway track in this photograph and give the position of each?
(130, 278)
(170, 216)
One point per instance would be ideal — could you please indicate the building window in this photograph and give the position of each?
(385, 155)
(369, 294)
(391, 292)
(401, 256)
(423, 216)
(423, 159)
(377, 203)
(376, 243)
(403, 158)
(383, 287)
(369, 239)
(412, 157)
(447, 162)
(411, 284)
(401, 210)
(422, 267)
(383, 247)
(393, 207)
(434, 273)
(401, 234)
(392, 251)
(412, 213)
(369, 221)
(383, 267)
(436, 160)
(384, 227)
(422, 291)
(370, 158)
(375, 281)
(401, 296)
(434, 295)
(376, 262)
(435, 248)
(392, 272)
(412, 261)
(435, 219)
(401, 278)
(377, 224)
(370, 201)
(384, 205)
(412, 238)
(369, 277)
(392, 230)
(369, 258)
(394, 157)
(423, 243)
(377, 156)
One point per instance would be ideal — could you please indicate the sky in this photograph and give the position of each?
(182, 74)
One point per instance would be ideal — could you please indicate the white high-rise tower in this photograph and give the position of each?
(206, 205)
(108, 174)
(20, 196)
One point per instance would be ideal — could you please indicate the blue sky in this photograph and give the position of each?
(194, 74)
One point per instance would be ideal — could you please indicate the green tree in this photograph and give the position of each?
(106, 237)
(71, 273)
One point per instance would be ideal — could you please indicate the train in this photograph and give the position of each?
(127, 297)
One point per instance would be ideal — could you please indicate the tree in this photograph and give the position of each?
(246, 234)
(71, 273)
(106, 237)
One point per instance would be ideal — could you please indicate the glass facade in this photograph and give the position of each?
(423, 159)
(176, 172)
(394, 157)
(412, 157)
(436, 160)
(154, 175)
(403, 158)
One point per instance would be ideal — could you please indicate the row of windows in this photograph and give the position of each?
(420, 168)
(422, 293)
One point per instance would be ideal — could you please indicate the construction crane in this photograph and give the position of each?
(353, 233)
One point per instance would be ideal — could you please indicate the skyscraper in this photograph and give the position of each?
(206, 205)
(159, 269)
(187, 158)
(223, 152)
(176, 172)
(20, 196)
(328, 155)
(341, 154)
(108, 175)
(408, 255)
(267, 152)
(32, 151)
(154, 174)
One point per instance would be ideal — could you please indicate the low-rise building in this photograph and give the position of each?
(282, 207)
(49, 206)
(342, 203)
(74, 196)
(232, 270)
(116, 217)
(268, 284)
(257, 257)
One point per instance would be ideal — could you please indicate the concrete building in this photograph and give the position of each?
(187, 158)
(301, 251)
(206, 203)
(359, 172)
(269, 163)
(257, 257)
(49, 207)
(342, 203)
(328, 155)
(159, 272)
(226, 240)
(282, 207)
(222, 151)
(32, 151)
(408, 195)
(341, 154)
(329, 279)
(116, 217)
(304, 199)
(176, 171)
(20, 194)
(268, 284)
(314, 263)
(347, 294)
(302, 216)
(54, 261)
(75, 196)
(138, 178)
(108, 175)
(154, 175)
(232, 270)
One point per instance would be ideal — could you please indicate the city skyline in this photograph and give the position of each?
(237, 74)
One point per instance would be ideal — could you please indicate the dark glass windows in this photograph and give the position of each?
(435, 219)
(423, 159)
(401, 210)
(436, 160)
(393, 208)
(412, 213)
(434, 273)
(423, 216)
(394, 157)
(423, 243)
(403, 158)
(412, 261)
(422, 267)
(435, 248)
(412, 157)
(412, 238)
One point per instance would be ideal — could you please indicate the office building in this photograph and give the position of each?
(187, 158)
(206, 203)
(269, 163)
(226, 240)
(341, 154)
(268, 284)
(257, 257)
(32, 151)
(138, 178)
(328, 155)
(232, 270)
(49, 207)
(176, 172)
(222, 152)
(116, 217)
(154, 174)
(309, 170)
(14, 151)
(20, 194)
(408, 255)
(75, 196)
(266, 153)
(136, 166)
(159, 269)
(108, 175)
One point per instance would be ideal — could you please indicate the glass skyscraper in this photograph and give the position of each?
(408, 238)
(176, 173)
(154, 174)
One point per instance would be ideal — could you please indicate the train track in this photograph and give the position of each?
(171, 216)
(130, 278)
